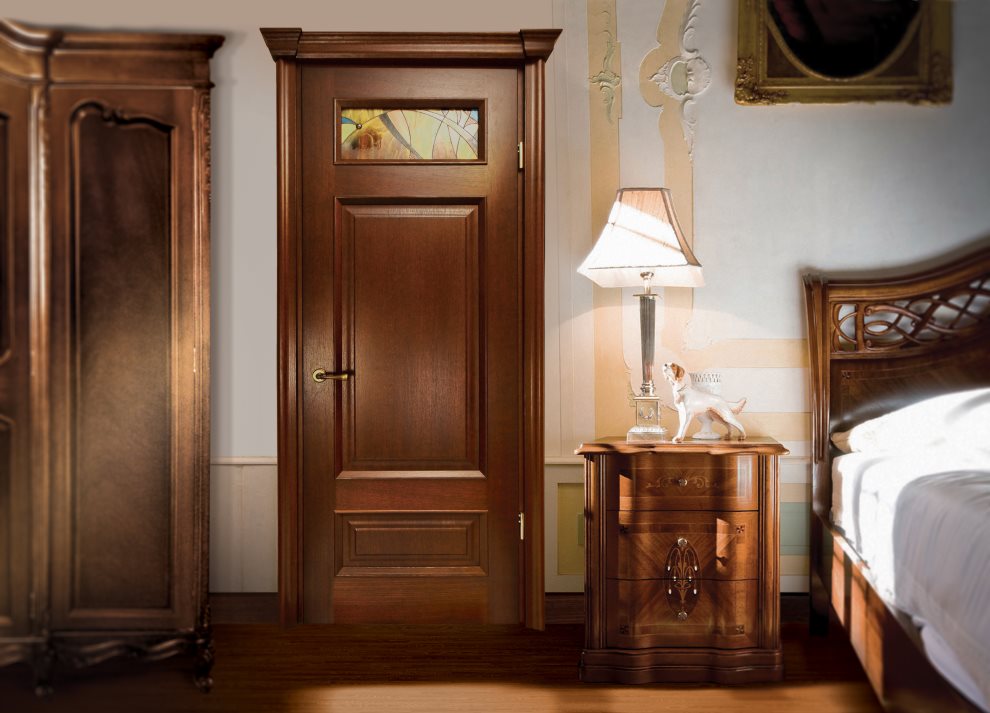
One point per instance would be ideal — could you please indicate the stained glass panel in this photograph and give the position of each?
(425, 134)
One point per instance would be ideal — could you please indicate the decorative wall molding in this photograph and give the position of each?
(684, 76)
(608, 81)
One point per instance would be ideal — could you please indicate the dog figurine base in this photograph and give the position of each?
(692, 402)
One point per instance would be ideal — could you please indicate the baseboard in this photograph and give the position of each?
(262, 608)
(244, 607)
(565, 608)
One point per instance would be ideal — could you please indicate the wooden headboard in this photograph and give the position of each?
(880, 341)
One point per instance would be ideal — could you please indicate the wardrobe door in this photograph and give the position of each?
(124, 326)
(15, 494)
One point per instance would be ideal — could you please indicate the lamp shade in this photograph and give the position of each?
(642, 235)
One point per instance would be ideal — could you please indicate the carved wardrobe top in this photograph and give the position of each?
(82, 57)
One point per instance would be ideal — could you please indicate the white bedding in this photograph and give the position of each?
(921, 521)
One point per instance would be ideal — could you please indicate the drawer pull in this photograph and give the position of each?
(683, 585)
(682, 482)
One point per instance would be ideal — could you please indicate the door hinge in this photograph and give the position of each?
(522, 526)
(519, 150)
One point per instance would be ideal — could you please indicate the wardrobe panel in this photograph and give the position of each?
(121, 348)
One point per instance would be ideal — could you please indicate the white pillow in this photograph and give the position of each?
(960, 418)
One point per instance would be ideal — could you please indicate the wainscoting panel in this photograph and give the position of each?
(563, 502)
(244, 535)
(243, 525)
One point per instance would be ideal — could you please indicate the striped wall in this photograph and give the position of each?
(615, 127)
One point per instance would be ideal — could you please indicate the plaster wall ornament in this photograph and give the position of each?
(608, 81)
(683, 77)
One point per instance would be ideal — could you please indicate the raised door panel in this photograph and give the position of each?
(122, 362)
(15, 494)
(425, 544)
(413, 338)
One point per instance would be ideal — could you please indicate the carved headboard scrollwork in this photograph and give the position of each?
(880, 341)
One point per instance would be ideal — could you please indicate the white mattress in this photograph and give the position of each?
(921, 521)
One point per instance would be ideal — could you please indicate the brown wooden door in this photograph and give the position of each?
(411, 285)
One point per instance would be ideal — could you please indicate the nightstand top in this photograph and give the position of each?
(758, 445)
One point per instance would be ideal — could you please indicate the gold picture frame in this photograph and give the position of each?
(775, 68)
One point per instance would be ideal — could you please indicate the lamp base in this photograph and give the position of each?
(641, 434)
(647, 428)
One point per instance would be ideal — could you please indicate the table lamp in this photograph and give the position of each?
(642, 244)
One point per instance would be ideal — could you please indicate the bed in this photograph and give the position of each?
(895, 527)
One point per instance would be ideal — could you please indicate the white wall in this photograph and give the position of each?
(779, 189)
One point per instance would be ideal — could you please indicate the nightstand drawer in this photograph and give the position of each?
(650, 613)
(685, 482)
(712, 545)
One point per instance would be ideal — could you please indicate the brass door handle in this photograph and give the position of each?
(321, 375)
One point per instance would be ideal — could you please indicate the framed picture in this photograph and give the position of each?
(819, 51)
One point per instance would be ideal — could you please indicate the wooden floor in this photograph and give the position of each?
(404, 669)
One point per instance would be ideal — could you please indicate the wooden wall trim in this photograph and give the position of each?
(490, 47)
(539, 44)
(533, 334)
(289, 254)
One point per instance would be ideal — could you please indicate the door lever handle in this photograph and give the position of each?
(321, 375)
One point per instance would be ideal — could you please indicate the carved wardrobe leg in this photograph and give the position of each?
(44, 666)
(204, 652)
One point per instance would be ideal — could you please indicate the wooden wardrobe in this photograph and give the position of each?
(104, 347)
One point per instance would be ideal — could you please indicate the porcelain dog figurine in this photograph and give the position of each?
(691, 402)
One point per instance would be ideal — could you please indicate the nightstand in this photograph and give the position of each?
(682, 547)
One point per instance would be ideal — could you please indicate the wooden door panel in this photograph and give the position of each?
(411, 339)
(401, 600)
(421, 543)
(16, 569)
(411, 282)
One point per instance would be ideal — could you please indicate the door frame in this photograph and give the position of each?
(526, 50)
